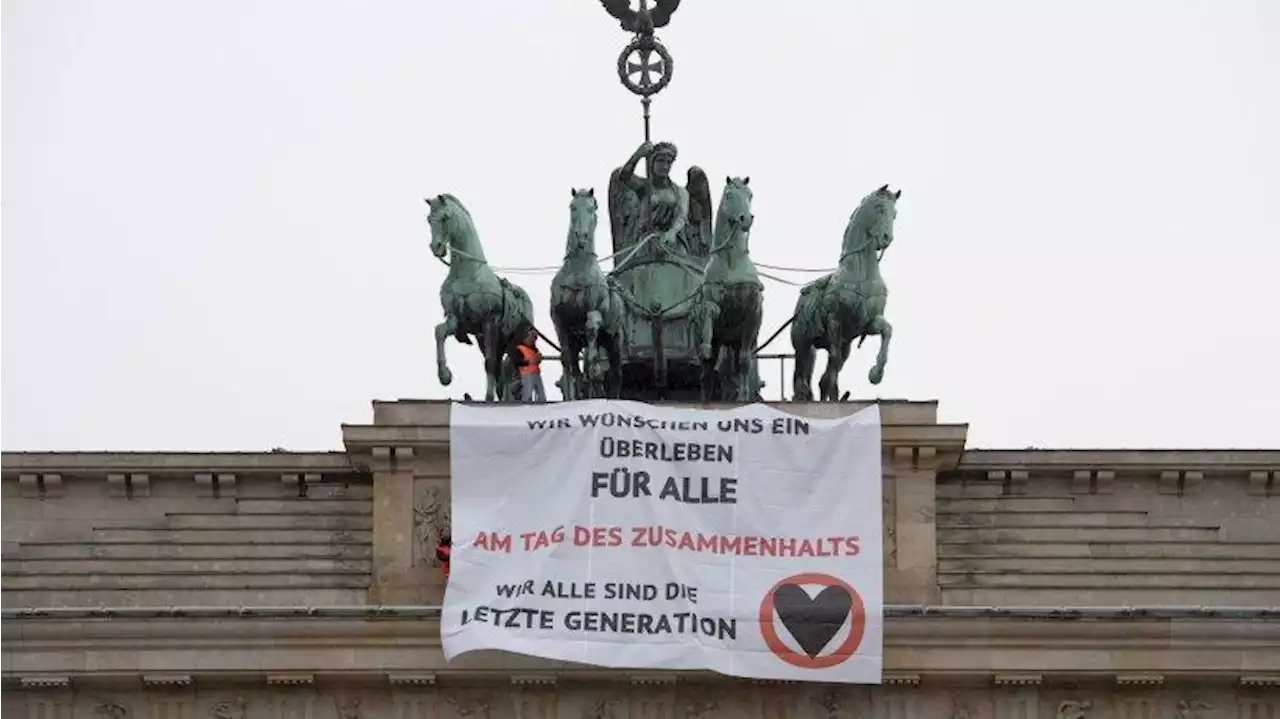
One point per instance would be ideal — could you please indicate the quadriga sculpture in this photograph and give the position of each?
(847, 304)
(476, 301)
(731, 301)
(586, 308)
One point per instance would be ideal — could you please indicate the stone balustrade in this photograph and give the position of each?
(157, 529)
(934, 656)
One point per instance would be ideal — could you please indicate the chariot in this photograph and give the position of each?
(658, 271)
(659, 342)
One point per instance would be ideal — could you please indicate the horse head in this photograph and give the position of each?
(583, 215)
(871, 226)
(733, 217)
(735, 203)
(451, 228)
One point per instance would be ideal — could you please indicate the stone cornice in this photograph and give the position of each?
(436, 411)
(1216, 461)
(892, 611)
(173, 463)
(925, 645)
(364, 439)
(407, 429)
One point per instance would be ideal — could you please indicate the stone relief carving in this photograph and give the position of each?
(828, 702)
(700, 708)
(698, 701)
(890, 529)
(233, 709)
(432, 518)
(469, 705)
(107, 709)
(602, 709)
(348, 708)
(1074, 710)
(1192, 709)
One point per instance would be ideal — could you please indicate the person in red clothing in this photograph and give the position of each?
(443, 551)
(531, 387)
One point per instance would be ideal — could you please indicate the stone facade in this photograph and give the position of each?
(1005, 570)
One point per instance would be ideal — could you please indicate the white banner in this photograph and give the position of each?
(619, 534)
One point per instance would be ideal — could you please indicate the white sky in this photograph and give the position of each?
(213, 233)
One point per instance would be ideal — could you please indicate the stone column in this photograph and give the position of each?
(652, 696)
(45, 698)
(1139, 696)
(393, 527)
(413, 696)
(50, 706)
(534, 696)
(170, 696)
(898, 697)
(912, 576)
(1017, 696)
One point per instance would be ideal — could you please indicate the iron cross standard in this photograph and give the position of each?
(644, 66)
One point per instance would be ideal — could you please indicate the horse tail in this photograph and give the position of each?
(617, 308)
(805, 323)
(517, 309)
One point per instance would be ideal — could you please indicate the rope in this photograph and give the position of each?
(546, 339)
(644, 241)
(549, 269)
(795, 269)
(631, 252)
(774, 336)
(779, 279)
(626, 296)
(527, 270)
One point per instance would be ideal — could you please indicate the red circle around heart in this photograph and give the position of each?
(812, 621)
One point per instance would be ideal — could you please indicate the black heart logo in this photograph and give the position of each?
(812, 622)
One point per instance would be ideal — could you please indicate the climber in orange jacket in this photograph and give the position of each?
(530, 364)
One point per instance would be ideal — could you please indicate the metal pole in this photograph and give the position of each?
(645, 102)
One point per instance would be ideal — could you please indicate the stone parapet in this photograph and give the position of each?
(893, 411)
(930, 644)
(187, 464)
(406, 430)
(1108, 527)
(305, 696)
(163, 528)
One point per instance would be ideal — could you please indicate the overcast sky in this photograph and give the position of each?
(214, 238)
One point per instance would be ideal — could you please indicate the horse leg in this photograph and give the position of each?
(613, 382)
(747, 350)
(708, 383)
(581, 371)
(482, 345)
(567, 358)
(490, 348)
(595, 321)
(724, 386)
(710, 311)
(569, 387)
(837, 352)
(741, 379)
(801, 390)
(880, 326)
(443, 330)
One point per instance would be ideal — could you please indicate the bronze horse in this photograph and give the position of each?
(849, 303)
